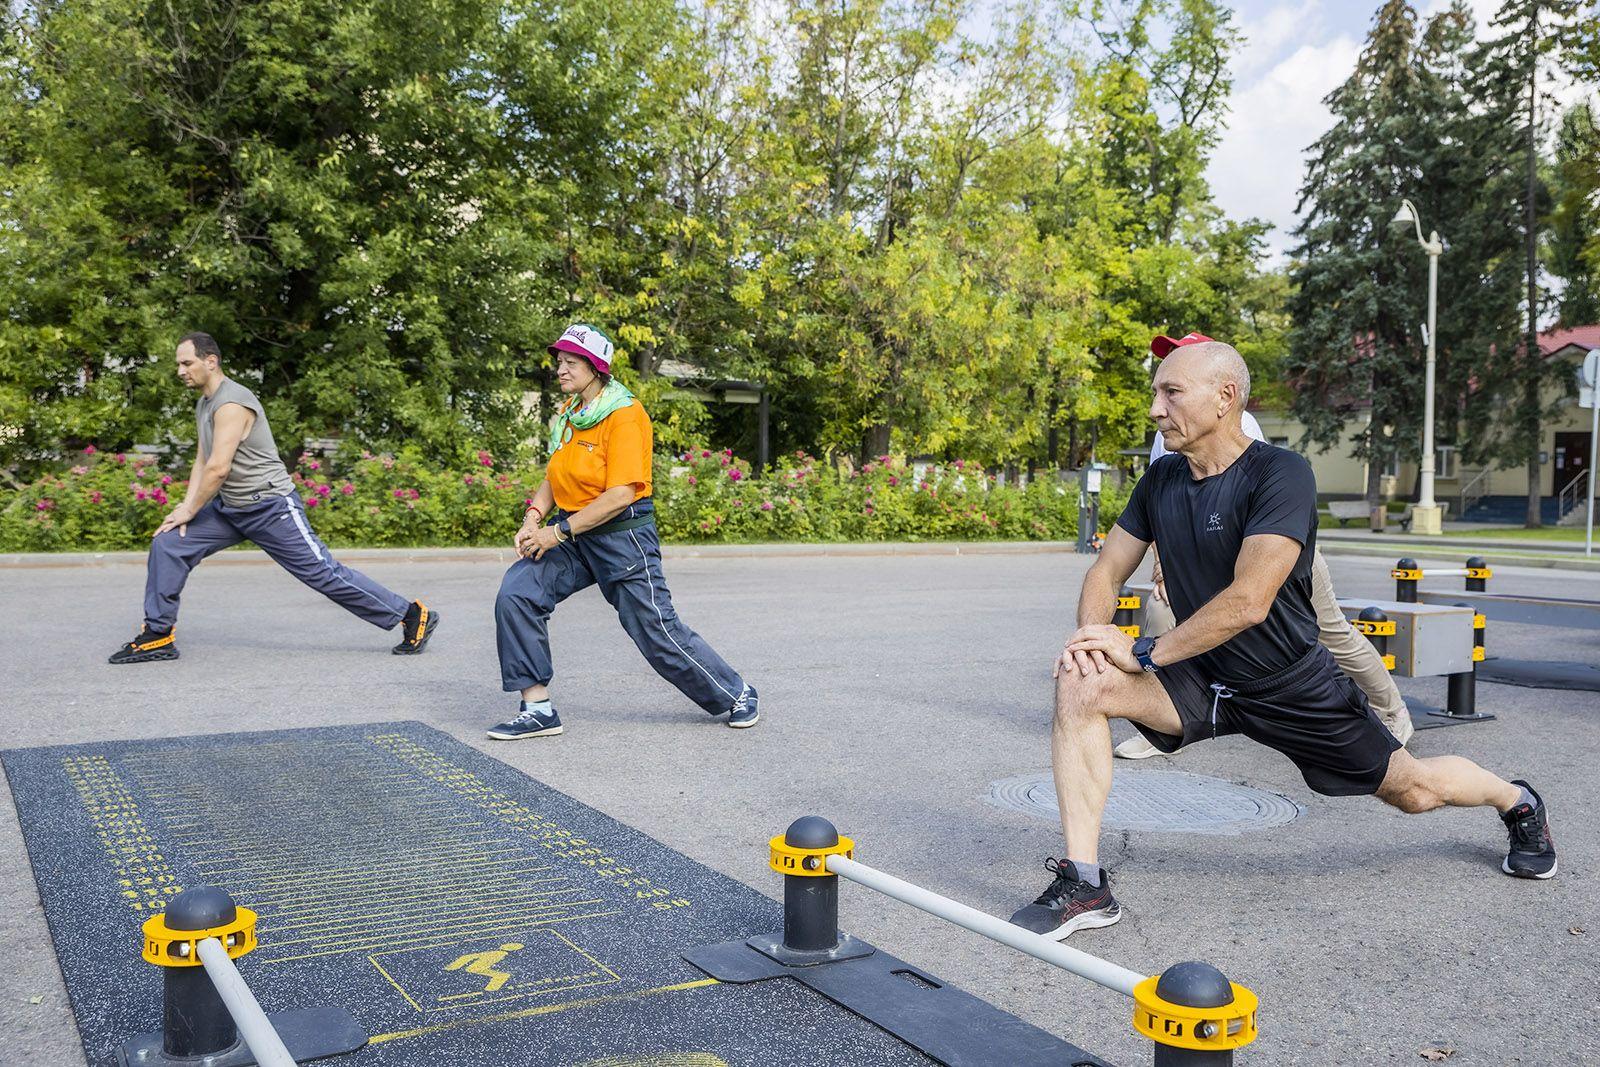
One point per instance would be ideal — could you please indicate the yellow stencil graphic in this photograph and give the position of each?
(483, 963)
(466, 974)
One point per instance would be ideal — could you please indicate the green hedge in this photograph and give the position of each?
(104, 502)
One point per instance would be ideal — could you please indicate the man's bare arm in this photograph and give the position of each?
(1264, 564)
(1097, 602)
(228, 428)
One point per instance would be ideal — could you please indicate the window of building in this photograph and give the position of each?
(1444, 461)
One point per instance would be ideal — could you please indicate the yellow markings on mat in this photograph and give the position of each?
(659, 1059)
(538, 963)
(144, 878)
(545, 1009)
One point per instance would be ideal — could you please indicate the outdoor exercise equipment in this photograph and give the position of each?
(1192, 1013)
(209, 1016)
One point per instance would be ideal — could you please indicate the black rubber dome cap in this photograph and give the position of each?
(1194, 985)
(811, 831)
(1373, 614)
(201, 908)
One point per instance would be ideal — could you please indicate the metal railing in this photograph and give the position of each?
(1474, 490)
(1573, 491)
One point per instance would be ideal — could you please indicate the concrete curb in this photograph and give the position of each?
(1435, 550)
(507, 556)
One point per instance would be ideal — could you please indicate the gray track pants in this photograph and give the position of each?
(626, 565)
(277, 525)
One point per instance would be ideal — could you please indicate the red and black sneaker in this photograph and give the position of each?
(417, 627)
(1533, 850)
(149, 646)
(1069, 904)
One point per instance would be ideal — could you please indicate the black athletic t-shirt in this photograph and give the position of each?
(1199, 528)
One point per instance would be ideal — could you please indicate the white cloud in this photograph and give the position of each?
(1257, 168)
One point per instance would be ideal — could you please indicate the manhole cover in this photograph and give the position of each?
(1159, 800)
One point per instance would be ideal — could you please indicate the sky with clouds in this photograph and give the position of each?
(1296, 52)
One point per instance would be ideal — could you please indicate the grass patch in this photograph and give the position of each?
(1514, 533)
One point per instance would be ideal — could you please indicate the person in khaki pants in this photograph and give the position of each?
(1353, 652)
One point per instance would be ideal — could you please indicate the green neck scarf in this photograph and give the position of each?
(613, 397)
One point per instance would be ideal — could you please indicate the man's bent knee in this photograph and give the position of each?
(1080, 697)
(1406, 787)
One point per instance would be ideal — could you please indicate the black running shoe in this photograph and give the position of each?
(743, 714)
(528, 723)
(1533, 851)
(419, 625)
(149, 646)
(1069, 904)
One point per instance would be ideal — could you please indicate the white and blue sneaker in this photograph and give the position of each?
(743, 713)
(529, 723)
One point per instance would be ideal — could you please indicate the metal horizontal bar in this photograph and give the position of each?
(254, 1026)
(1099, 971)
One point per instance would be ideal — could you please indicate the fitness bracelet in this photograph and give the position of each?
(1143, 649)
(564, 530)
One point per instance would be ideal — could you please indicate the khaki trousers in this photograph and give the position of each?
(1353, 652)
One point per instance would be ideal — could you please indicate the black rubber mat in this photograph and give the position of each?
(1540, 674)
(464, 913)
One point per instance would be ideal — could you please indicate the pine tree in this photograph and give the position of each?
(1574, 254)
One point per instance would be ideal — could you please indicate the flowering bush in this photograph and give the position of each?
(102, 502)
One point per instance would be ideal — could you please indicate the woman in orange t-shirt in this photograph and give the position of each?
(592, 522)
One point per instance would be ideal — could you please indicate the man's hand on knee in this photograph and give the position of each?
(1103, 644)
(1084, 662)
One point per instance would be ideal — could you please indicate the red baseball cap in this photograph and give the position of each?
(1162, 346)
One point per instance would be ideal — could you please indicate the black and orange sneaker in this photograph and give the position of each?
(418, 626)
(1068, 904)
(149, 646)
(1533, 851)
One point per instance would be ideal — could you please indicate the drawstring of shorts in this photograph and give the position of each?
(1220, 693)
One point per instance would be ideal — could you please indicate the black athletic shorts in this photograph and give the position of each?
(1312, 712)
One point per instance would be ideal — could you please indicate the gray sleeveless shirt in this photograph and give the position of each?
(257, 471)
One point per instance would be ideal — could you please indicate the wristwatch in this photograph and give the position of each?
(1143, 649)
(564, 530)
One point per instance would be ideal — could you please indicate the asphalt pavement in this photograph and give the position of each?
(895, 688)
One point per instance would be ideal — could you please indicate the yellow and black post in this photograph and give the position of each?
(1478, 574)
(1407, 575)
(194, 1020)
(1126, 619)
(1195, 1015)
(810, 890)
(1461, 688)
(1376, 624)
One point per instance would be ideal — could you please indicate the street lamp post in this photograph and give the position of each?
(1426, 517)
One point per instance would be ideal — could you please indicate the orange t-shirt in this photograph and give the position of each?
(616, 452)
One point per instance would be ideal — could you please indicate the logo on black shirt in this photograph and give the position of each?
(1214, 522)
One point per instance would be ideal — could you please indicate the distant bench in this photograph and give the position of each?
(1345, 510)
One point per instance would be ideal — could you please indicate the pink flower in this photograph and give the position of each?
(868, 468)
(961, 464)
(411, 505)
(159, 496)
(80, 470)
(893, 480)
(313, 465)
(693, 480)
(45, 505)
(94, 496)
(324, 489)
(724, 461)
(415, 494)
(399, 494)
(140, 495)
(388, 464)
(867, 510)
(91, 450)
(738, 503)
(347, 489)
(486, 460)
(312, 501)
(365, 454)
(467, 479)
(733, 474)
(166, 479)
(121, 458)
(766, 505)
(727, 451)
(705, 453)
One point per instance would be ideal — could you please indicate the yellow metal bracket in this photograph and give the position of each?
(1382, 628)
(1478, 653)
(1131, 631)
(1129, 603)
(1407, 575)
(1479, 572)
(806, 862)
(1219, 1029)
(1479, 622)
(166, 947)
(1388, 661)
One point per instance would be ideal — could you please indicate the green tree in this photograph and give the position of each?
(1573, 254)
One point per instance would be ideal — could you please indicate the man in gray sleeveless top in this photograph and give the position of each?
(239, 490)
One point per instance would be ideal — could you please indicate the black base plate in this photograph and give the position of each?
(308, 1034)
(941, 1022)
(1428, 717)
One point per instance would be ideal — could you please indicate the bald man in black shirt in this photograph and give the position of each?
(1237, 523)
